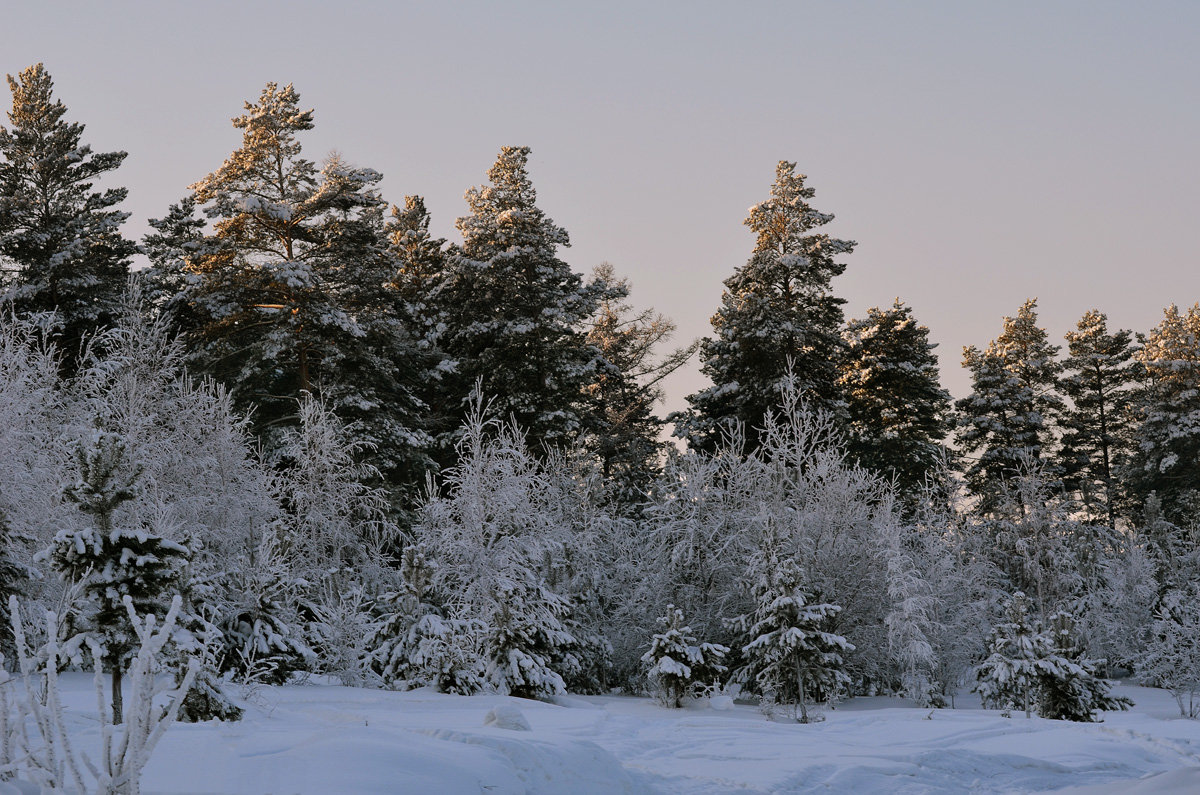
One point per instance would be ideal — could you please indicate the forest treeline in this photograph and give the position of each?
(357, 449)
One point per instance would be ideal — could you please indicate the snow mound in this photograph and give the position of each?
(506, 716)
(553, 766)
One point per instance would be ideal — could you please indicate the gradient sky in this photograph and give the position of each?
(980, 153)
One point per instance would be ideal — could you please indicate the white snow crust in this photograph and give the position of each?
(325, 738)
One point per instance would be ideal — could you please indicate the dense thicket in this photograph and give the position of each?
(251, 427)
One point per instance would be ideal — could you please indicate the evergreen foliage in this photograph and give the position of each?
(514, 313)
(61, 250)
(677, 661)
(625, 431)
(1010, 415)
(1074, 692)
(287, 293)
(1099, 376)
(790, 656)
(898, 413)
(1166, 460)
(777, 315)
(116, 565)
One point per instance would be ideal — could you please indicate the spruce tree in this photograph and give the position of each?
(1099, 377)
(1166, 460)
(790, 655)
(1074, 691)
(898, 412)
(514, 312)
(676, 660)
(1009, 417)
(61, 249)
(1008, 678)
(113, 560)
(777, 314)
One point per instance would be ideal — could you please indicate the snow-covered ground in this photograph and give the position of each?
(330, 739)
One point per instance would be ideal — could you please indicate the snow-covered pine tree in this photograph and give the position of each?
(898, 412)
(777, 314)
(514, 312)
(677, 660)
(1166, 459)
(1008, 678)
(287, 293)
(790, 656)
(1073, 691)
(1010, 414)
(1099, 376)
(61, 249)
(624, 429)
(414, 644)
(112, 561)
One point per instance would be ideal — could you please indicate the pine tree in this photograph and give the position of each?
(676, 660)
(1010, 414)
(1167, 457)
(288, 292)
(117, 565)
(1096, 443)
(514, 312)
(777, 314)
(61, 248)
(790, 656)
(415, 644)
(898, 411)
(625, 431)
(1074, 691)
(1008, 678)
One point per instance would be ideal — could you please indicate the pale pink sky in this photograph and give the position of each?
(980, 153)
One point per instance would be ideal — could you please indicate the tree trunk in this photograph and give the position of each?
(118, 702)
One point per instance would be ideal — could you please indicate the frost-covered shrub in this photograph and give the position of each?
(1171, 659)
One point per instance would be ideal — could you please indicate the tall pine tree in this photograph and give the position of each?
(777, 313)
(1167, 457)
(61, 249)
(1100, 373)
(624, 429)
(1008, 419)
(514, 312)
(898, 411)
(288, 292)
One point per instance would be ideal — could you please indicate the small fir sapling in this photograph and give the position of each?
(111, 561)
(790, 655)
(415, 643)
(1072, 690)
(677, 661)
(1008, 678)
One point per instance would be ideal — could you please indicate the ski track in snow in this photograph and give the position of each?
(332, 739)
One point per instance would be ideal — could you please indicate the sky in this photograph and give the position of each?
(979, 153)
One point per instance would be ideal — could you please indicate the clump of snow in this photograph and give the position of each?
(506, 716)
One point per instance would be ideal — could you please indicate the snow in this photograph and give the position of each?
(319, 738)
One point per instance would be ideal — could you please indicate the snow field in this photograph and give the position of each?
(327, 739)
